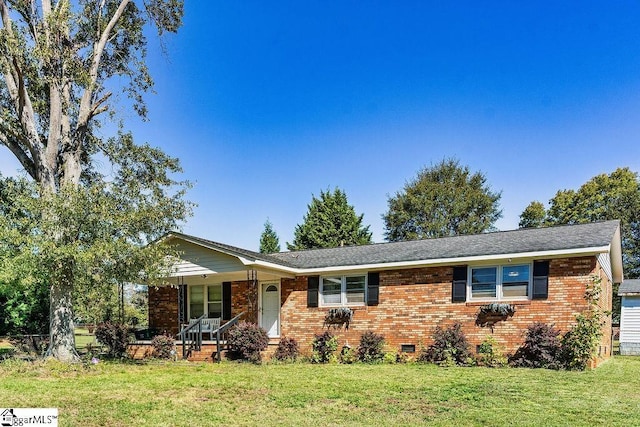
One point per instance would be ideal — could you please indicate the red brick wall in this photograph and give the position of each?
(163, 305)
(163, 308)
(414, 301)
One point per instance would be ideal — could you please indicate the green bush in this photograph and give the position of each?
(450, 347)
(348, 355)
(490, 354)
(246, 341)
(324, 347)
(579, 345)
(164, 347)
(114, 336)
(288, 350)
(371, 348)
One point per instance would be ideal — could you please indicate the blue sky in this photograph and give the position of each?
(266, 104)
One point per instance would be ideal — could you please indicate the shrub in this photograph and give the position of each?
(347, 355)
(246, 341)
(450, 347)
(541, 348)
(580, 343)
(490, 354)
(323, 346)
(288, 350)
(371, 347)
(114, 336)
(164, 347)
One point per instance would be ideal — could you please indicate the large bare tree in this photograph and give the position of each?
(60, 63)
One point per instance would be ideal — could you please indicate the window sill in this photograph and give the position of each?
(351, 306)
(512, 302)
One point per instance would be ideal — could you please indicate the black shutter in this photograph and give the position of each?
(540, 280)
(313, 285)
(459, 287)
(226, 300)
(373, 287)
(183, 308)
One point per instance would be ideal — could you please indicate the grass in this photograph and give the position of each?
(190, 394)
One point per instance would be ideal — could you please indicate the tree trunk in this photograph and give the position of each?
(62, 344)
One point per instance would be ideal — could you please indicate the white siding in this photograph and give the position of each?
(605, 263)
(196, 260)
(630, 319)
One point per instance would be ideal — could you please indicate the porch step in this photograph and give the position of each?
(206, 354)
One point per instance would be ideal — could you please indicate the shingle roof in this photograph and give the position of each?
(629, 286)
(566, 237)
(233, 250)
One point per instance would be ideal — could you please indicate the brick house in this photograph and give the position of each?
(402, 290)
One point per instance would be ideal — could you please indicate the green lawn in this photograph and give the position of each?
(187, 394)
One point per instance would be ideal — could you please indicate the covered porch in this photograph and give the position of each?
(219, 283)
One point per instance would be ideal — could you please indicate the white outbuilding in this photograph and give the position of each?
(630, 317)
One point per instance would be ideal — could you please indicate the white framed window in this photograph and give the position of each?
(205, 299)
(498, 283)
(343, 290)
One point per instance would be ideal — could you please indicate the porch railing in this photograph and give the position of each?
(223, 329)
(191, 337)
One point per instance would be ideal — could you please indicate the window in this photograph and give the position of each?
(205, 299)
(502, 282)
(343, 290)
(214, 301)
(196, 301)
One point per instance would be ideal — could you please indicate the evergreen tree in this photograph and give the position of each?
(330, 222)
(443, 200)
(269, 241)
(533, 215)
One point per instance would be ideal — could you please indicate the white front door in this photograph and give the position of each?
(270, 318)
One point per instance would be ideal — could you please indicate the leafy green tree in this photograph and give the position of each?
(605, 197)
(330, 222)
(60, 62)
(24, 294)
(445, 199)
(533, 215)
(269, 241)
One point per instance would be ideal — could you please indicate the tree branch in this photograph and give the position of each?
(20, 154)
(97, 107)
(98, 49)
(19, 95)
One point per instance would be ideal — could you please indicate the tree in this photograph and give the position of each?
(24, 296)
(445, 199)
(533, 215)
(605, 197)
(269, 241)
(330, 222)
(60, 62)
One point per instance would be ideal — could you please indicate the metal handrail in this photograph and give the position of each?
(198, 341)
(223, 329)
